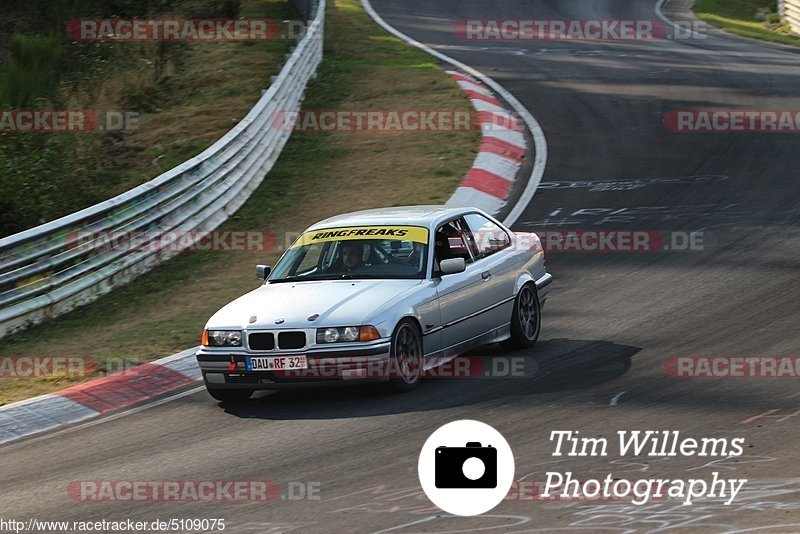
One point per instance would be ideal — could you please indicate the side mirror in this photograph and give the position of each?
(262, 271)
(452, 266)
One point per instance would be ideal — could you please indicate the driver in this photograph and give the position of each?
(351, 256)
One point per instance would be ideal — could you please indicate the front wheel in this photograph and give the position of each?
(526, 319)
(230, 395)
(406, 356)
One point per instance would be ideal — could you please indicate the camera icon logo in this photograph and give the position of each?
(472, 466)
(466, 468)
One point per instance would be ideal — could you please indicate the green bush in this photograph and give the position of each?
(32, 72)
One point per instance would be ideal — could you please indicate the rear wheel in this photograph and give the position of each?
(230, 395)
(526, 319)
(406, 356)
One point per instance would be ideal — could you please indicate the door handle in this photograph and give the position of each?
(486, 275)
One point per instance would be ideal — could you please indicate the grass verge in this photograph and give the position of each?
(185, 95)
(318, 175)
(757, 19)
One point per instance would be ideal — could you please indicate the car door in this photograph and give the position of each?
(498, 271)
(460, 295)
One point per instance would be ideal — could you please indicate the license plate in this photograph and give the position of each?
(276, 363)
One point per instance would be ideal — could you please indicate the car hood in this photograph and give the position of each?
(337, 302)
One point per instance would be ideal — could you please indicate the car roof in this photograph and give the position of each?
(426, 216)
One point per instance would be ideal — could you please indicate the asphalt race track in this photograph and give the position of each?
(612, 321)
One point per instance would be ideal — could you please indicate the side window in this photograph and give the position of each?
(488, 236)
(452, 240)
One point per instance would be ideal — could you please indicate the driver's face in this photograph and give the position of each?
(351, 257)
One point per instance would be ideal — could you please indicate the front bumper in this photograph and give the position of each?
(328, 367)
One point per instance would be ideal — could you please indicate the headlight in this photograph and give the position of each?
(350, 333)
(346, 334)
(330, 335)
(222, 338)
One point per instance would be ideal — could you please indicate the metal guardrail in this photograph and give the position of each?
(46, 270)
(790, 12)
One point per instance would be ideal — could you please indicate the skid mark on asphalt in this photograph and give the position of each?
(628, 185)
(510, 521)
(775, 414)
(615, 399)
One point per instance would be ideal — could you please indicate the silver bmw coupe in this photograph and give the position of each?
(384, 294)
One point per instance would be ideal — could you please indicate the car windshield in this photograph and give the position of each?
(359, 252)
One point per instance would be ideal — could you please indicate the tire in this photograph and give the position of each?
(406, 356)
(230, 395)
(526, 319)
